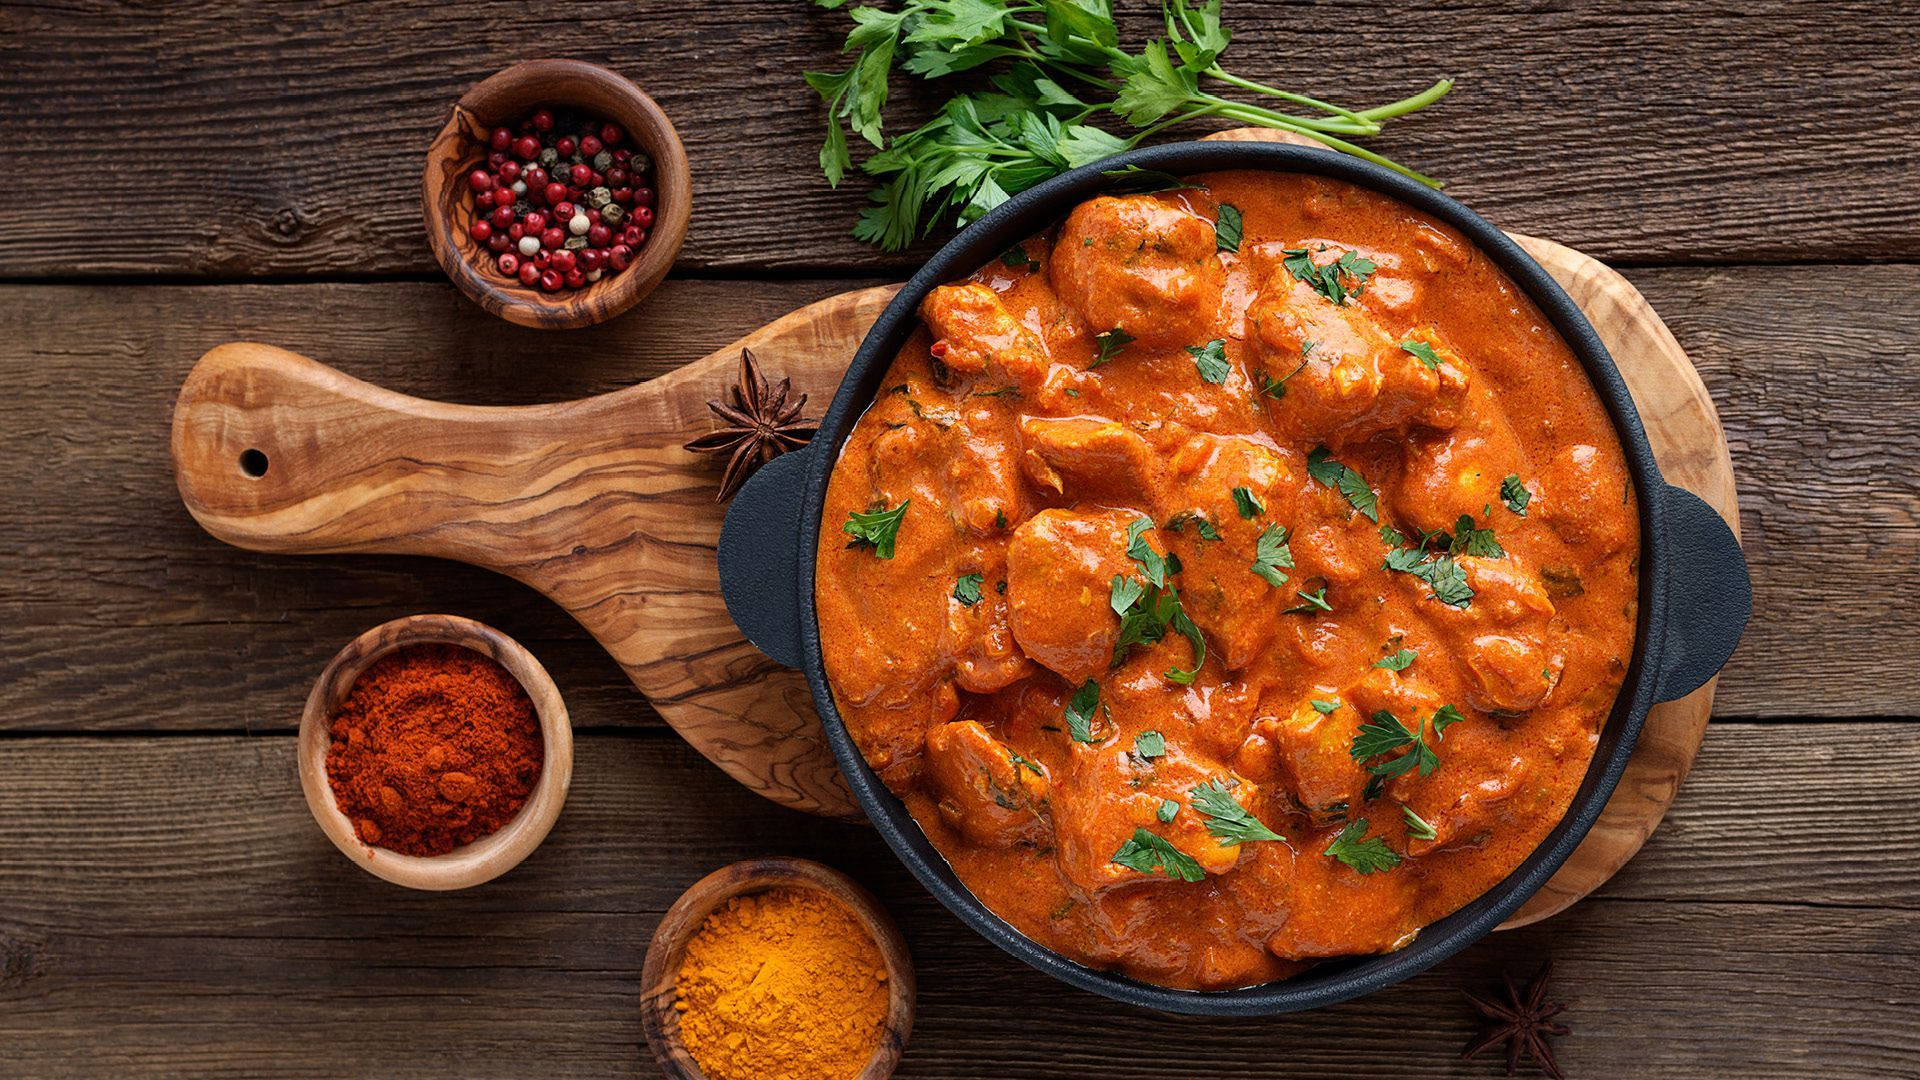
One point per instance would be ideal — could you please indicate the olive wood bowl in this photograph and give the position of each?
(668, 950)
(461, 146)
(485, 858)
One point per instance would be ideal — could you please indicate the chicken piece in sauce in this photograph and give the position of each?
(1140, 263)
(988, 792)
(1060, 570)
(1346, 378)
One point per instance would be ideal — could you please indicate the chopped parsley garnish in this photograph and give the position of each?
(875, 528)
(1323, 707)
(1168, 808)
(1017, 257)
(1315, 601)
(1468, 540)
(1398, 661)
(1271, 554)
(1277, 388)
(1080, 709)
(1211, 359)
(1148, 852)
(1248, 505)
(1515, 494)
(1417, 826)
(1367, 855)
(1330, 473)
(1391, 536)
(1146, 614)
(1337, 280)
(1110, 344)
(1003, 391)
(1199, 521)
(967, 589)
(1150, 744)
(1228, 821)
(1439, 571)
(1385, 733)
(1423, 352)
(999, 519)
(1227, 228)
(1020, 761)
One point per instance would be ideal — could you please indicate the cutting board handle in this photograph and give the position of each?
(760, 557)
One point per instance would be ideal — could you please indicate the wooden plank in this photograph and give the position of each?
(107, 588)
(230, 141)
(170, 907)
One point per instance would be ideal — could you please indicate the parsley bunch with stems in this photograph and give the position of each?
(987, 145)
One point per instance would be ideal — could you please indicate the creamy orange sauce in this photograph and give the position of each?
(1023, 460)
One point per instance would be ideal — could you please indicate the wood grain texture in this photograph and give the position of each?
(166, 906)
(594, 503)
(109, 590)
(232, 141)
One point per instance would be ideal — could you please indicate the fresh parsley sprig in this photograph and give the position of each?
(987, 145)
(1148, 612)
(1330, 473)
(1365, 854)
(876, 529)
(1147, 852)
(1385, 733)
(1227, 820)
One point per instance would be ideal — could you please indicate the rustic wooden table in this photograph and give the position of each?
(183, 174)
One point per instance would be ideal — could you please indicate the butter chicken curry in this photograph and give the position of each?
(1232, 577)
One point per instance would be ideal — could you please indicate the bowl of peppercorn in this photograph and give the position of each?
(435, 752)
(557, 194)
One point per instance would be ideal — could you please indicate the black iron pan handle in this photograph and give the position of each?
(760, 556)
(1709, 595)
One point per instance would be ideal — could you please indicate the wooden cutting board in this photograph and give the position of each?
(595, 504)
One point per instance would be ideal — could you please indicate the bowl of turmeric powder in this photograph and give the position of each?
(435, 752)
(777, 967)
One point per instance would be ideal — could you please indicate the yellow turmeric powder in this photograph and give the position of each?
(782, 985)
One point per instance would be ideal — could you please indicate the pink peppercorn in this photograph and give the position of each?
(575, 279)
(480, 180)
(553, 238)
(643, 196)
(529, 274)
(498, 242)
(501, 139)
(509, 171)
(619, 256)
(591, 146)
(542, 120)
(598, 236)
(643, 217)
(509, 263)
(480, 230)
(564, 145)
(534, 220)
(611, 134)
(556, 192)
(526, 147)
(562, 260)
(550, 280)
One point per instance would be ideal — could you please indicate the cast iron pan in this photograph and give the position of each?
(1694, 592)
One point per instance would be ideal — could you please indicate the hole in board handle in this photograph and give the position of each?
(253, 463)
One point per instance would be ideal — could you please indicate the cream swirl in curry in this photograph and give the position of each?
(1231, 577)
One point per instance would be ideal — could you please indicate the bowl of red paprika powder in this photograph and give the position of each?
(435, 752)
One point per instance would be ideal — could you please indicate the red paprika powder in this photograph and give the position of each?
(435, 747)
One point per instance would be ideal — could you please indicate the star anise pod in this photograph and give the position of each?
(1522, 1022)
(759, 425)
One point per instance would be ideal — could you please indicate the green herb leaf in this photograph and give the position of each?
(1424, 353)
(1315, 601)
(1125, 592)
(1002, 391)
(1110, 344)
(1228, 821)
(1366, 856)
(1135, 180)
(1344, 277)
(1440, 572)
(1187, 628)
(1211, 359)
(1417, 826)
(1445, 717)
(876, 528)
(1199, 522)
(1515, 494)
(1330, 473)
(1020, 762)
(1271, 554)
(1150, 744)
(1391, 536)
(1398, 661)
(1248, 505)
(1385, 733)
(1148, 852)
(967, 589)
(1017, 257)
(1324, 707)
(1168, 808)
(1152, 563)
(1227, 228)
(1080, 709)
(1468, 540)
